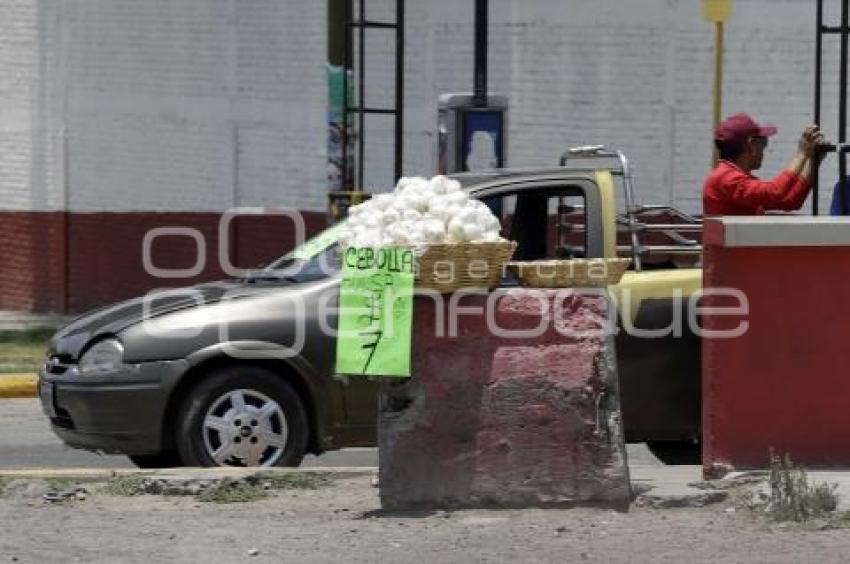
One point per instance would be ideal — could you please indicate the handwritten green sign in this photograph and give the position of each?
(375, 312)
(319, 243)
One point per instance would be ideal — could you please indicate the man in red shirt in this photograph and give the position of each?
(731, 188)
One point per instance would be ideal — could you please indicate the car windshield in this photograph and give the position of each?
(315, 259)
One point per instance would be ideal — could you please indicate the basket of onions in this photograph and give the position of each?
(456, 239)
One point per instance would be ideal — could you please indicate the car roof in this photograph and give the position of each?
(472, 181)
(572, 165)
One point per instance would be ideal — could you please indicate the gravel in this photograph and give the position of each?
(343, 522)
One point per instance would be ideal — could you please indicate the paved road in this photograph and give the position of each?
(26, 442)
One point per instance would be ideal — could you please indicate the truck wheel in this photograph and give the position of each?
(676, 452)
(242, 416)
(161, 460)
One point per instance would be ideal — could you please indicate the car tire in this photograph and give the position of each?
(161, 460)
(242, 416)
(676, 453)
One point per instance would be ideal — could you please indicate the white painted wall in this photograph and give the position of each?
(200, 104)
(27, 148)
(186, 105)
(196, 104)
(634, 75)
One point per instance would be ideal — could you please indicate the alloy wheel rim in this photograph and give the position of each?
(245, 428)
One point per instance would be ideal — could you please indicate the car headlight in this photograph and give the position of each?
(104, 356)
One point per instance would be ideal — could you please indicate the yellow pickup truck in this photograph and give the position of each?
(588, 208)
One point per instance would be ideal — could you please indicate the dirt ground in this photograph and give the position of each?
(342, 522)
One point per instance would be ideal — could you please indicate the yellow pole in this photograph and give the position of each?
(718, 79)
(717, 11)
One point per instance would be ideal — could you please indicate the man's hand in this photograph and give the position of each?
(810, 141)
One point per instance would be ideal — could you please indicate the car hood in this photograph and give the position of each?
(69, 341)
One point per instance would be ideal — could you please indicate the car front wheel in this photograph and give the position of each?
(242, 416)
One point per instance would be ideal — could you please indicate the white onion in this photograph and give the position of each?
(452, 185)
(455, 228)
(468, 216)
(457, 198)
(437, 204)
(403, 182)
(444, 212)
(410, 215)
(486, 219)
(439, 184)
(362, 208)
(435, 231)
(372, 220)
(472, 232)
(417, 198)
(492, 223)
(370, 240)
(417, 235)
(391, 215)
(382, 201)
(395, 231)
(420, 212)
(400, 238)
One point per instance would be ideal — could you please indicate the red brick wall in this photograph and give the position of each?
(104, 254)
(32, 261)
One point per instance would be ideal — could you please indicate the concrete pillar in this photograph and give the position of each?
(775, 344)
(505, 420)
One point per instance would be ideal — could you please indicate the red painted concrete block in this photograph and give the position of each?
(782, 384)
(490, 420)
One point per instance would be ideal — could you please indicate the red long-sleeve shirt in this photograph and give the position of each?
(728, 190)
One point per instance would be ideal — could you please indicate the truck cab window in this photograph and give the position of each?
(546, 223)
(529, 225)
(567, 220)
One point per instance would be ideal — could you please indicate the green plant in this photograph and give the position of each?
(23, 351)
(35, 336)
(792, 498)
(296, 480)
(230, 491)
(126, 485)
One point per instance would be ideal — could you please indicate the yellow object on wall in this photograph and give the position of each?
(717, 11)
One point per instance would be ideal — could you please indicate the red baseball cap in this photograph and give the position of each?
(736, 129)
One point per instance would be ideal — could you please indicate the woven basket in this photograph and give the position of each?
(447, 267)
(575, 273)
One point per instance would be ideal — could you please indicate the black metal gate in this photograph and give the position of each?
(360, 24)
(843, 30)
